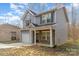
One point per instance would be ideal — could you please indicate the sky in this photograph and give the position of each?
(11, 12)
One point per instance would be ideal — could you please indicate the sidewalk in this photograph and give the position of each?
(12, 45)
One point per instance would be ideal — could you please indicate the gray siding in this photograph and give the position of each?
(24, 24)
(29, 17)
(33, 19)
(38, 20)
(61, 29)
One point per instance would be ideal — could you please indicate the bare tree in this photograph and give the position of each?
(7, 18)
(43, 7)
(74, 19)
(59, 5)
(31, 6)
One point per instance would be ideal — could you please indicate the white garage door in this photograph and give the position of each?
(26, 37)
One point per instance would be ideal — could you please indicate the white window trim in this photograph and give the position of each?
(46, 34)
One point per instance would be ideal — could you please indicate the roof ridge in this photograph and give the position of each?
(32, 11)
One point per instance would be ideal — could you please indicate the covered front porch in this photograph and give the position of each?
(44, 36)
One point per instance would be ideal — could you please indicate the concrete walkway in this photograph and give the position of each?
(12, 45)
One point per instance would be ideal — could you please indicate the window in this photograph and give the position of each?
(46, 18)
(27, 22)
(46, 35)
(49, 17)
(43, 18)
(13, 35)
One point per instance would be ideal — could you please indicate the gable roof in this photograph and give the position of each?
(26, 12)
(55, 9)
(32, 25)
(32, 12)
(52, 10)
(36, 25)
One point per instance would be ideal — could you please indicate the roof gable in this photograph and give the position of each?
(31, 12)
(31, 25)
(48, 11)
(26, 12)
(52, 10)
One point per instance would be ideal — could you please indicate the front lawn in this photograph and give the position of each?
(70, 48)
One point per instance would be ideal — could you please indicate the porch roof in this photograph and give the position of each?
(40, 27)
(36, 25)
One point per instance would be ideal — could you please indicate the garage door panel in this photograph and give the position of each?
(26, 37)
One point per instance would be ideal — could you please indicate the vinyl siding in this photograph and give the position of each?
(61, 29)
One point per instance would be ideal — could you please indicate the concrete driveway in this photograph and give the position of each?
(12, 45)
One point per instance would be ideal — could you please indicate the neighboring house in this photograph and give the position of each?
(48, 28)
(9, 33)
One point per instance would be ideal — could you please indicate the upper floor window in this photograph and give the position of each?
(46, 18)
(27, 22)
(49, 17)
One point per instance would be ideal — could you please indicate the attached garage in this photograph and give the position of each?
(26, 38)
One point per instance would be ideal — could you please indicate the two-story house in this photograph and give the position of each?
(48, 28)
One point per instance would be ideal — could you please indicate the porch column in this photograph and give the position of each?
(51, 42)
(30, 36)
(34, 36)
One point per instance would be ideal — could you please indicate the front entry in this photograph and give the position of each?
(43, 37)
